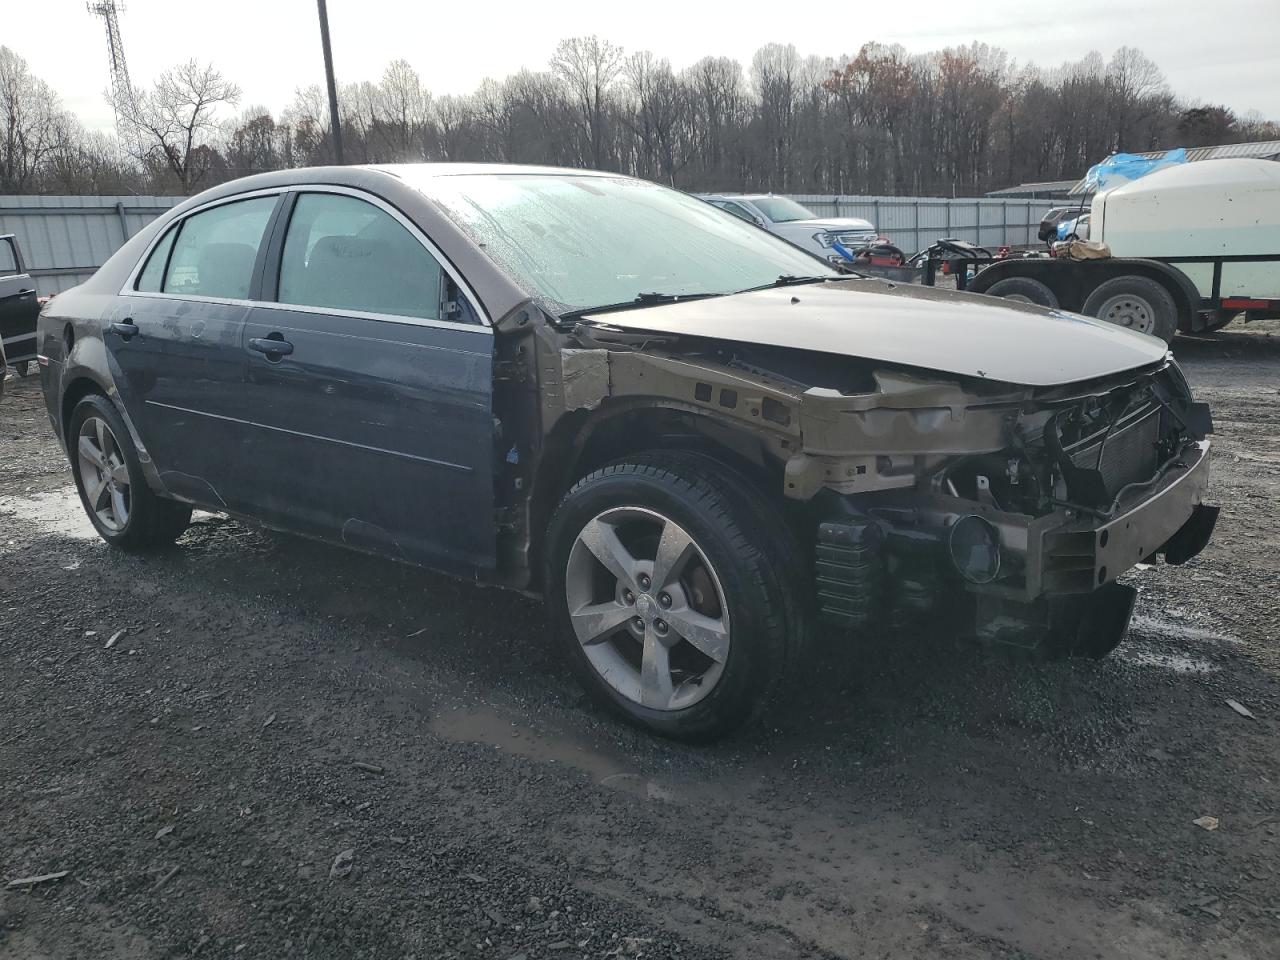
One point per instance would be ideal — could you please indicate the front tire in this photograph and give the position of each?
(668, 597)
(109, 479)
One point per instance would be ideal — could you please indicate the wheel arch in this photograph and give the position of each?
(584, 440)
(82, 383)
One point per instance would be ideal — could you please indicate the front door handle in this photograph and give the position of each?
(274, 348)
(126, 329)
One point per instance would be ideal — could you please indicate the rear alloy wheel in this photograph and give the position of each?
(109, 478)
(104, 473)
(1136, 303)
(670, 609)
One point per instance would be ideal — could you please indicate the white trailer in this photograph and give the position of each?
(1190, 247)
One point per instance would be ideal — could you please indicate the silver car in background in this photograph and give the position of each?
(797, 224)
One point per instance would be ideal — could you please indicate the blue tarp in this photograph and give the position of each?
(1122, 167)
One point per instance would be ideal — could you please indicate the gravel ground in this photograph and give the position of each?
(292, 751)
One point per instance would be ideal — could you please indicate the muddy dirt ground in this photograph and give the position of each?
(292, 751)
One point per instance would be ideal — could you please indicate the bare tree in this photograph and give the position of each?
(176, 120)
(719, 112)
(588, 66)
(403, 110)
(659, 104)
(32, 124)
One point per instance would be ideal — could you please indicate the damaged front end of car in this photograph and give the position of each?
(1086, 482)
(916, 490)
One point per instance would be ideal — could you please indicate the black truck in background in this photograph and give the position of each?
(19, 309)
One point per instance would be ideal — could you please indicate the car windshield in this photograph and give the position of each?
(783, 209)
(590, 241)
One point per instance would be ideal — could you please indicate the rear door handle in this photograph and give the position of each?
(126, 329)
(273, 348)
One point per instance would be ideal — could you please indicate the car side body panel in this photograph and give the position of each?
(374, 433)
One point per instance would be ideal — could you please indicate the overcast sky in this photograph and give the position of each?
(1217, 51)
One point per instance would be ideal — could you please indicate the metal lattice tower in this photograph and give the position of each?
(123, 100)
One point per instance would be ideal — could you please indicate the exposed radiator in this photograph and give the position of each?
(1129, 453)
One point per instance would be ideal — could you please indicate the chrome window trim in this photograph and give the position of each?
(131, 282)
(485, 324)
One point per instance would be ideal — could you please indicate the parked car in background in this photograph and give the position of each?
(692, 438)
(1074, 228)
(793, 222)
(1048, 230)
(19, 307)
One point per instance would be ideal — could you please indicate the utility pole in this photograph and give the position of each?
(335, 124)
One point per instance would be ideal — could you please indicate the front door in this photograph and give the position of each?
(176, 340)
(371, 382)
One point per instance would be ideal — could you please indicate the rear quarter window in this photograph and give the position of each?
(151, 279)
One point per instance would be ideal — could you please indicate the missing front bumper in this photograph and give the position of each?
(888, 553)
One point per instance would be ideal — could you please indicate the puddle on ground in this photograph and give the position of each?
(1158, 642)
(1145, 656)
(56, 513)
(1180, 631)
(480, 725)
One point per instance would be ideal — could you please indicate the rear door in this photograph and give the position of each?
(371, 379)
(175, 337)
(19, 309)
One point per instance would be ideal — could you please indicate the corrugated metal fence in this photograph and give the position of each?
(912, 223)
(65, 239)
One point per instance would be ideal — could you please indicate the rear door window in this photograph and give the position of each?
(343, 253)
(216, 250)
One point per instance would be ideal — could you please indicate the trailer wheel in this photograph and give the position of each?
(1024, 290)
(1137, 303)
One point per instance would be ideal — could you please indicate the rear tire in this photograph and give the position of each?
(1024, 290)
(747, 605)
(112, 488)
(1135, 303)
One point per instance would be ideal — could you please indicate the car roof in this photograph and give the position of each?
(419, 171)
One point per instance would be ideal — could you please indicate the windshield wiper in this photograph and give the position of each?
(787, 280)
(641, 300)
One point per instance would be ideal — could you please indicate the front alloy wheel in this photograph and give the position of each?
(675, 589)
(648, 608)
